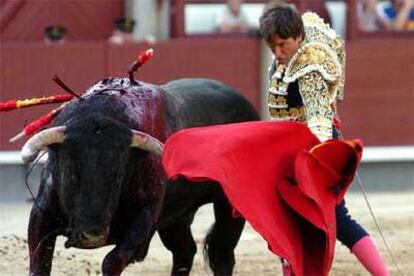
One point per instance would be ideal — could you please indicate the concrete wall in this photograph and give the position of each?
(385, 176)
(379, 173)
(13, 182)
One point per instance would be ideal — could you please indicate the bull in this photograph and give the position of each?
(104, 184)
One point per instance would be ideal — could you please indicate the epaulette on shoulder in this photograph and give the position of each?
(314, 56)
(313, 21)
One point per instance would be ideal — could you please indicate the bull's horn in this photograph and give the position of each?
(146, 142)
(41, 140)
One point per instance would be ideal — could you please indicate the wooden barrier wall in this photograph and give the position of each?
(27, 70)
(379, 91)
(378, 103)
(22, 20)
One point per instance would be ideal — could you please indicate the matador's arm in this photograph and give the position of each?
(318, 111)
(319, 74)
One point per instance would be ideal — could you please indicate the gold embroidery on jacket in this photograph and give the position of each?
(315, 57)
(277, 101)
(319, 68)
(318, 111)
(296, 114)
(318, 31)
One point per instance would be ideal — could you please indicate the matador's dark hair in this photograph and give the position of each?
(280, 19)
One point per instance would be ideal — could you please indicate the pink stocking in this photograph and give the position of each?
(367, 253)
(287, 270)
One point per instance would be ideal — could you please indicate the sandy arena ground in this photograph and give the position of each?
(394, 211)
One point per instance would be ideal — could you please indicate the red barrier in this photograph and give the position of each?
(379, 91)
(379, 96)
(232, 60)
(88, 20)
(28, 69)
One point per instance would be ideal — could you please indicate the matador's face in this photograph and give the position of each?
(285, 48)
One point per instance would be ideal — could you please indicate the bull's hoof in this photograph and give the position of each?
(39, 273)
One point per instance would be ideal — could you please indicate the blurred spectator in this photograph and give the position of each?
(398, 15)
(368, 17)
(123, 31)
(55, 34)
(233, 19)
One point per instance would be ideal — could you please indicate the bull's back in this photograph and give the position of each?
(202, 102)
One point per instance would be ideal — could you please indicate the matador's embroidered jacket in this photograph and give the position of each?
(307, 88)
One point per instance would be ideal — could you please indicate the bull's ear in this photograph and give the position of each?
(146, 142)
(40, 141)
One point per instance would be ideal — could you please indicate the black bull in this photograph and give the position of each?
(104, 184)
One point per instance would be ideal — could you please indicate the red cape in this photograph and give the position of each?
(278, 176)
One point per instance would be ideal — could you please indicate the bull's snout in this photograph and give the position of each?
(87, 239)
